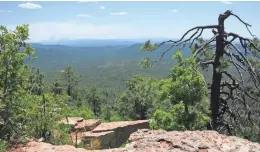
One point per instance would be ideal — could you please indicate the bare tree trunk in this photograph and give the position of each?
(217, 75)
(237, 58)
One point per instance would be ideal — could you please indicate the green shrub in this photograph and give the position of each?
(3, 145)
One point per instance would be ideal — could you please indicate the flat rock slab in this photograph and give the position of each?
(160, 141)
(96, 134)
(121, 132)
(81, 127)
(189, 141)
(109, 126)
(99, 140)
(87, 125)
(34, 146)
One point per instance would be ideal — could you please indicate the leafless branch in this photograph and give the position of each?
(207, 62)
(236, 66)
(246, 24)
(235, 88)
(203, 46)
(231, 76)
(192, 29)
(196, 38)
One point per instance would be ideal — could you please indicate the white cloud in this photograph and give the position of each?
(51, 31)
(119, 13)
(87, 1)
(29, 5)
(102, 7)
(84, 15)
(54, 31)
(76, 29)
(9, 11)
(226, 2)
(175, 11)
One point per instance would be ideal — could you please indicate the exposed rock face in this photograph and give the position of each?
(34, 146)
(189, 141)
(99, 140)
(122, 124)
(87, 125)
(160, 141)
(114, 134)
(80, 127)
(95, 135)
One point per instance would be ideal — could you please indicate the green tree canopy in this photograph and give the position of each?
(182, 99)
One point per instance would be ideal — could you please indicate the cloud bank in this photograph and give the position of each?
(29, 5)
(84, 15)
(226, 2)
(54, 31)
(119, 13)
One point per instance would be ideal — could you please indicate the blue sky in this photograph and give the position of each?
(50, 21)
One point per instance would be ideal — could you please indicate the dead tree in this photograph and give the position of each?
(222, 91)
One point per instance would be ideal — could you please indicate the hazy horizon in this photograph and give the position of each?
(76, 20)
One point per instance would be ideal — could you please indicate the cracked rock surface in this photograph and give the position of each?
(189, 141)
(146, 140)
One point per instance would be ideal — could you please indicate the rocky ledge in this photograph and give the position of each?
(146, 140)
(188, 141)
(96, 135)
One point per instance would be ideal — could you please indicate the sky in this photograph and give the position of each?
(54, 21)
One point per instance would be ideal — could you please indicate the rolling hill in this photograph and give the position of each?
(104, 66)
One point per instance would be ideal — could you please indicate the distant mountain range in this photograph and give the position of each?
(99, 42)
(106, 63)
(105, 66)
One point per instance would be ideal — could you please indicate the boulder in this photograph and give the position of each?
(109, 126)
(156, 141)
(99, 140)
(121, 132)
(188, 141)
(34, 146)
(87, 125)
(81, 127)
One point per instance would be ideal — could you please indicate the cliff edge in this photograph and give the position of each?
(145, 140)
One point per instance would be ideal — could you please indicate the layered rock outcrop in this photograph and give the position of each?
(113, 134)
(188, 141)
(95, 135)
(146, 140)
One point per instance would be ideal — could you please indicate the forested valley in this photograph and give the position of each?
(186, 84)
